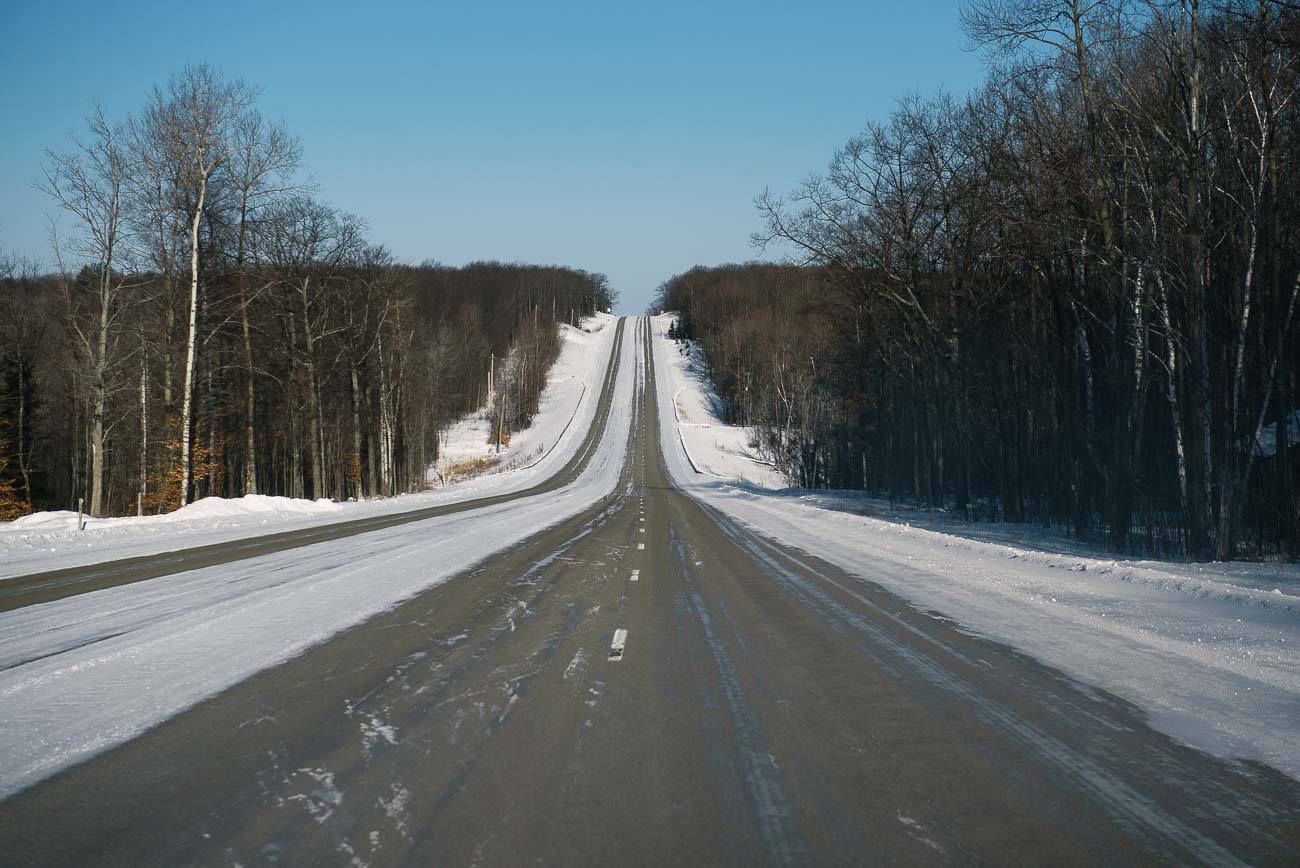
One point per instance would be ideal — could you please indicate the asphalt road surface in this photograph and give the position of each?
(651, 683)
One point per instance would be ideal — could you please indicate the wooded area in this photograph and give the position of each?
(214, 328)
(1067, 298)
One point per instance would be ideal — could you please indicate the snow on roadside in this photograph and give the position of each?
(712, 446)
(85, 673)
(575, 373)
(1210, 651)
(50, 540)
(209, 509)
(1054, 543)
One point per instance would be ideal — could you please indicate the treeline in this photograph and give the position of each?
(1069, 297)
(770, 340)
(213, 328)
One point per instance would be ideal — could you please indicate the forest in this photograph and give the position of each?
(214, 327)
(1066, 298)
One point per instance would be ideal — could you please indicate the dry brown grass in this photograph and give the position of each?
(469, 468)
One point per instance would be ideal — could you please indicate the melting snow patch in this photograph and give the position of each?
(918, 833)
(373, 731)
(323, 799)
(395, 808)
(576, 664)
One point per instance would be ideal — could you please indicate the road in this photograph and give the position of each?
(651, 683)
(46, 587)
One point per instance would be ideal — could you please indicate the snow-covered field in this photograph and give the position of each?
(1210, 651)
(50, 540)
(82, 674)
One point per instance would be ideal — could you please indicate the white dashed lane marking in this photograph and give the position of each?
(616, 647)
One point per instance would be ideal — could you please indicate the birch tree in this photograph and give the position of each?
(192, 124)
(1261, 85)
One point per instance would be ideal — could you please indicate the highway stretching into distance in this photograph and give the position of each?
(647, 682)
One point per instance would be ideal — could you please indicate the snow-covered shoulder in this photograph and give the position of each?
(51, 540)
(465, 448)
(1210, 651)
(712, 447)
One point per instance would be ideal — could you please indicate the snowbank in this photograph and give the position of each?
(209, 510)
(50, 540)
(1210, 651)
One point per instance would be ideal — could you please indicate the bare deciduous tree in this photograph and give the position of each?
(193, 123)
(89, 184)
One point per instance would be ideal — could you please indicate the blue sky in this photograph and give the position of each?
(629, 139)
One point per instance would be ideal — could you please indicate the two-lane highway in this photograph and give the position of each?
(649, 682)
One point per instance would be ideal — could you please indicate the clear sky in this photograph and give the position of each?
(629, 139)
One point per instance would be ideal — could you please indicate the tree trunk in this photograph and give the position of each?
(372, 452)
(355, 463)
(97, 449)
(191, 347)
(143, 488)
(314, 422)
(99, 390)
(24, 466)
(1197, 369)
(250, 396)
(385, 428)
(315, 431)
(169, 329)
